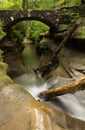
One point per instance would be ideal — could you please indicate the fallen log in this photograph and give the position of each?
(54, 61)
(65, 89)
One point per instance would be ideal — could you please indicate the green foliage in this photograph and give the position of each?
(80, 32)
(61, 3)
(72, 2)
(17, 34)
(50, 4)
(2, 33)
(36, 30)
(18, 31)
(33, 29)
(1, 55)
(10, 4)
(36, 4)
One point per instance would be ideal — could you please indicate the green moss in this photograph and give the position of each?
(1, 55)
(80, 32)
(4, 79)
(63, 27)
(71, 18)
(66, 3)
(3, 67)
(36, 28)
(2, 33)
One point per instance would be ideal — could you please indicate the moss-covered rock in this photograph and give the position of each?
(4, 79)
(80, 32)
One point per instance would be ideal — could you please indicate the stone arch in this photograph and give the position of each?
(18, 16)
(12, 23)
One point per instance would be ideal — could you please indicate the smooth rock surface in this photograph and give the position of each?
(20, 111)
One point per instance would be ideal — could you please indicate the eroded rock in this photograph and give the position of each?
(12, 58)
(20, 111)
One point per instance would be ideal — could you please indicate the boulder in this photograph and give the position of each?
(20, 111)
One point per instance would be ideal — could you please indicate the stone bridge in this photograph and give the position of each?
(52, 18)
(11, 17)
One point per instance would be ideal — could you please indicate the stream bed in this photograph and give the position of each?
(70, 107)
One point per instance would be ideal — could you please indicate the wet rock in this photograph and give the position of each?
(12, 58)
(71, 61)
(47, 47)
(20, 111)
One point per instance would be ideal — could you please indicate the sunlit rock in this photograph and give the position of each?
(20, 111)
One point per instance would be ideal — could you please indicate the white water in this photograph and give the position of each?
(73, 104)
(32, 84)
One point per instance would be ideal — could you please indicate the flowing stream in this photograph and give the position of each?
(73, 104)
